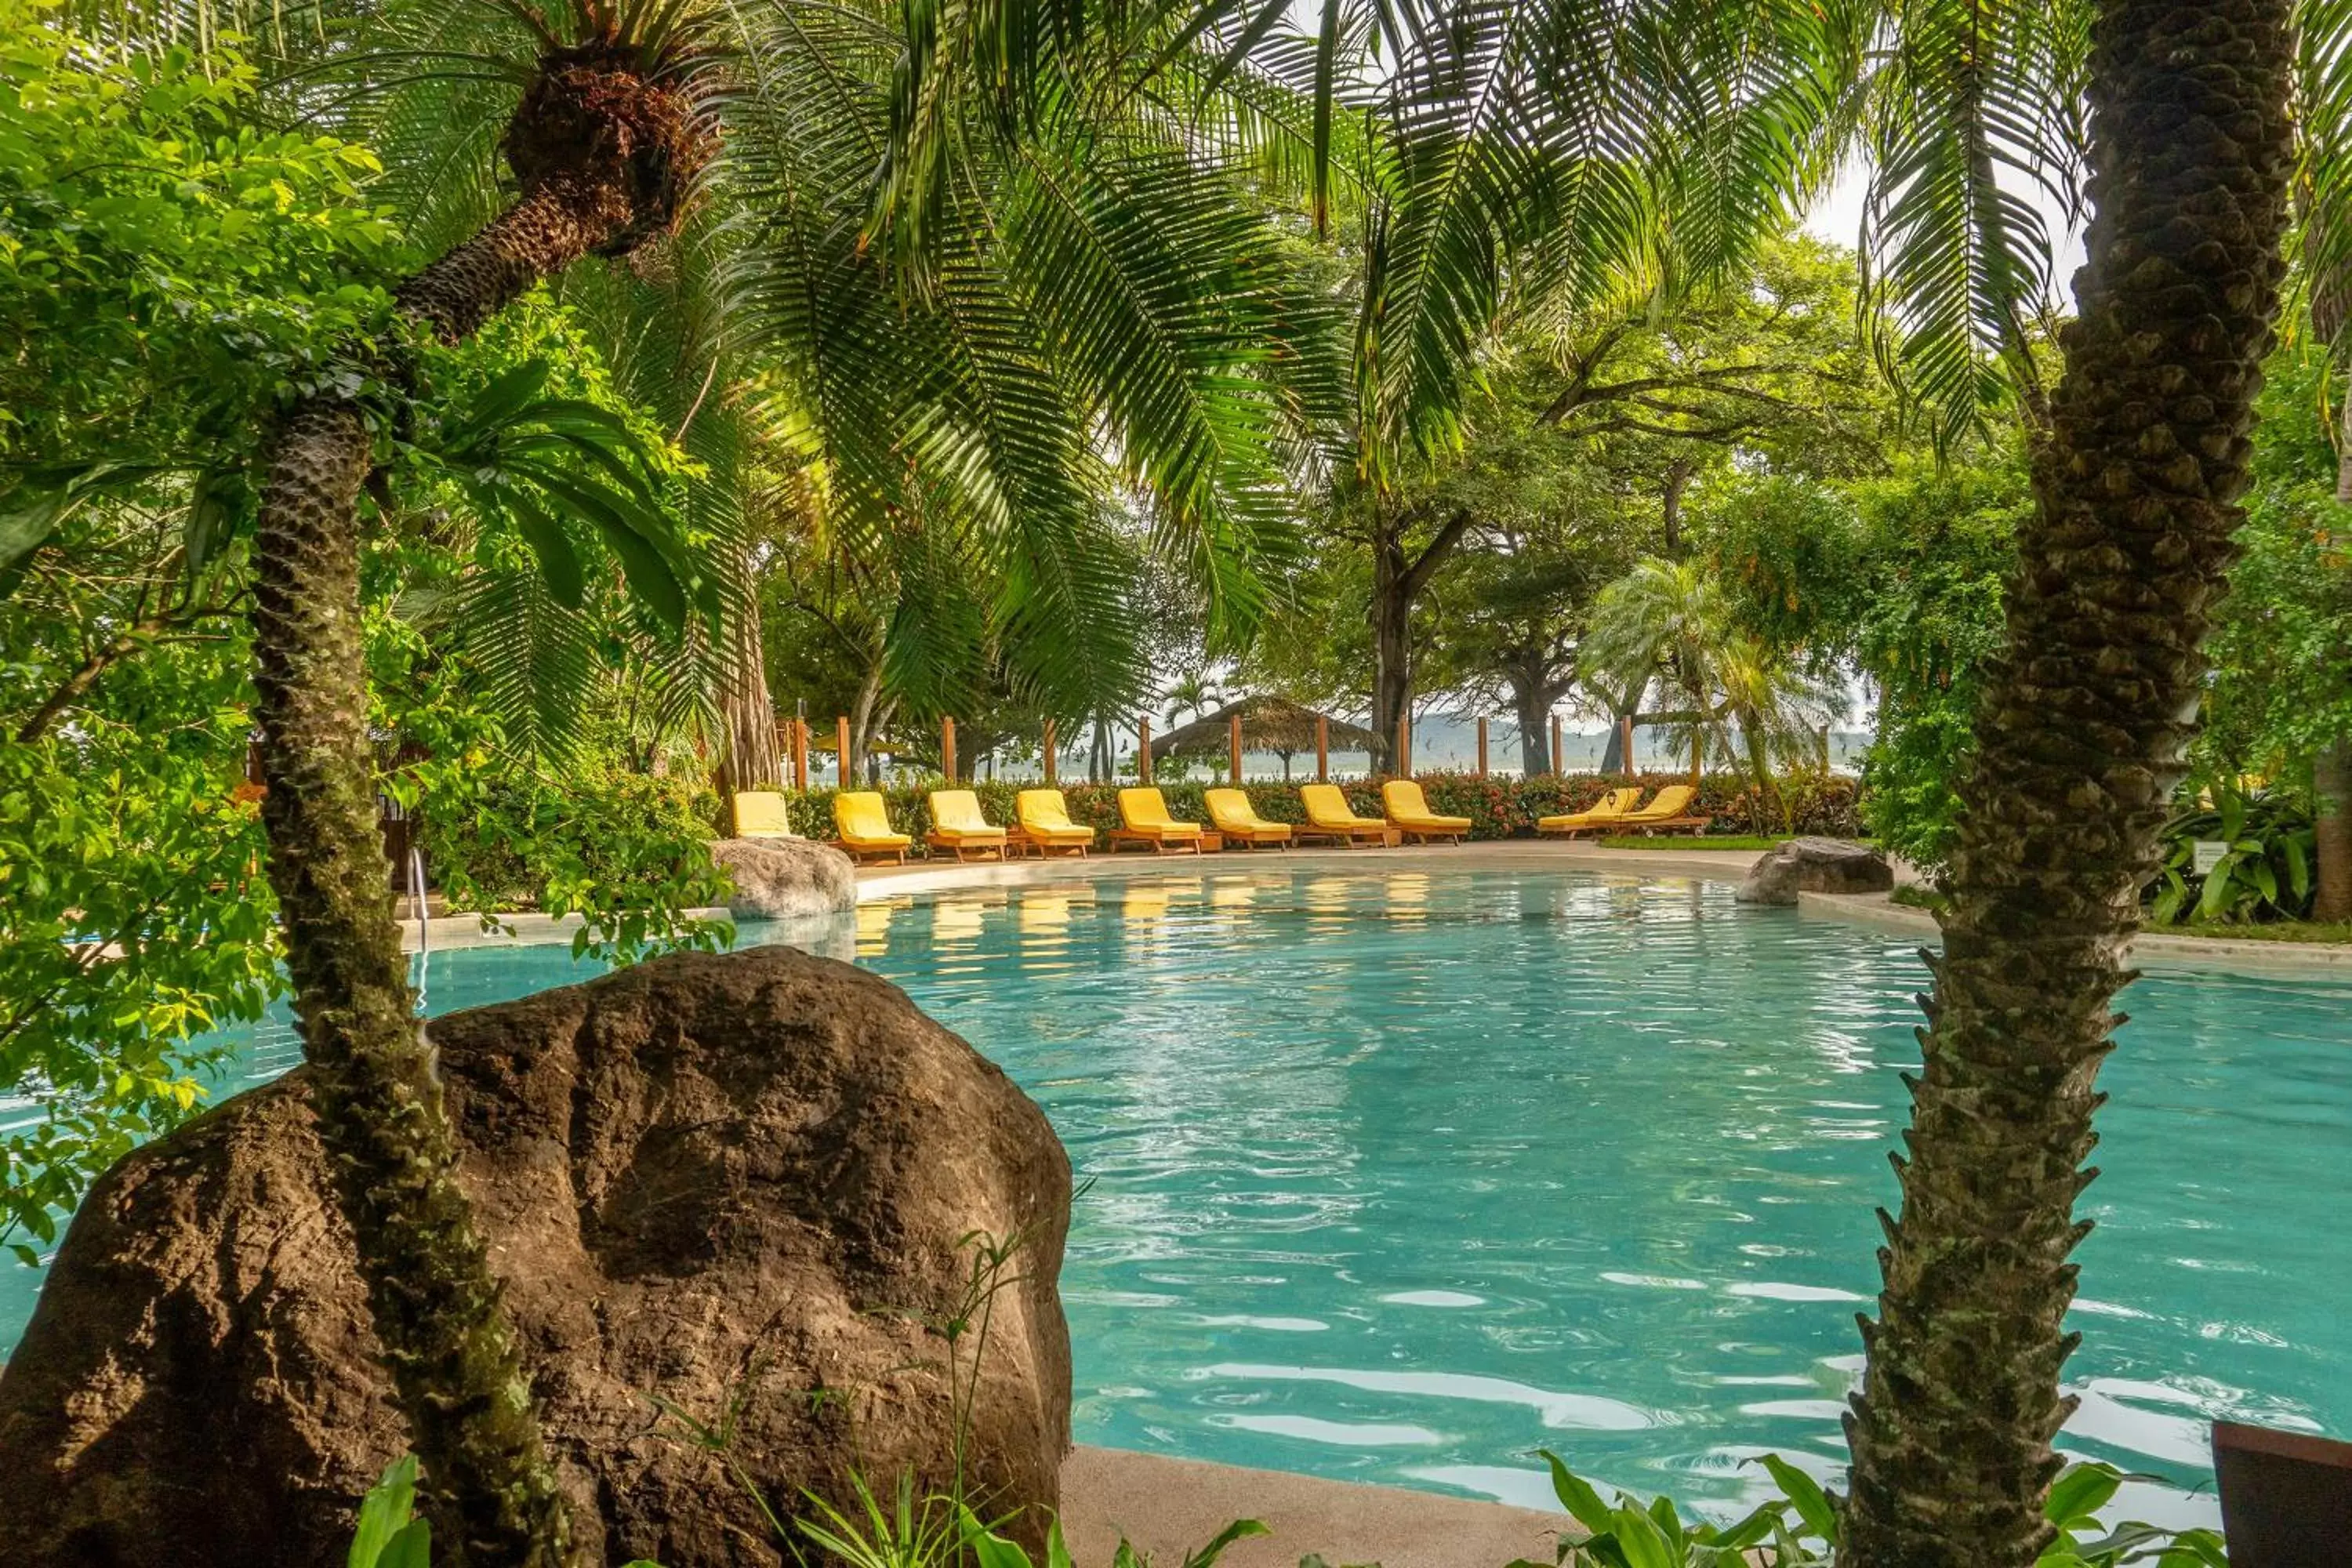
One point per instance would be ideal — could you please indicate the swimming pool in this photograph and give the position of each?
(1397, 1175)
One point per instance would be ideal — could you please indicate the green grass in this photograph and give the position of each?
(2269, 930)
(1914, 896)
(1685, 841)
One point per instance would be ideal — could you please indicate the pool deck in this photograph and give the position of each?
(2158, 950)
(1168, 1507)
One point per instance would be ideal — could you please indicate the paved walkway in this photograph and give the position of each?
(1170, 1508)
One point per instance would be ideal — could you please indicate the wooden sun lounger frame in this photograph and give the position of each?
(960, 844)
(860, 852)
(1186, 844)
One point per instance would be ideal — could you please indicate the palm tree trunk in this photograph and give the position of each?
(2078, 744)
(493, 1498)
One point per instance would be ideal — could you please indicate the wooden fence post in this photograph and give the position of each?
(1482, 746)
(841, 739)
(947, 749)
(1402, 764)
(800, 754)
(1234, 737)
(1627, 723)
(1322, 749)
(1049, 753)
(1143, 749)
(1558, 763)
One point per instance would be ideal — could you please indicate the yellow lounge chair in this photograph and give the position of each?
(1669, 810)
(1328, 816)
(1409, 811)
(956, 825)
(761, 814)
(863, 826)
(1231, 813)
(1045, 826)
(1143, 819)
(1607, 812)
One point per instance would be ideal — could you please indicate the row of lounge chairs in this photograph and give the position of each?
(1042, 823)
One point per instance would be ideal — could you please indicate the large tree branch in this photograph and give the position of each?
(1435, 553)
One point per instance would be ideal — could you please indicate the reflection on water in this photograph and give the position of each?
(1398, 1176)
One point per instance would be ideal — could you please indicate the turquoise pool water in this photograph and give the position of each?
(1397, 1176)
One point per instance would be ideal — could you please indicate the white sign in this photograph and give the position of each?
(2208, 853)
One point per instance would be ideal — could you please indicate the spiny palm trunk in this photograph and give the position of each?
(2078, 744)
(493, 1498)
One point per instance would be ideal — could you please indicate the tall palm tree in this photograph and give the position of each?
(1672, 620)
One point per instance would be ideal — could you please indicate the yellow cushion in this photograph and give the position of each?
(859, 817)
(1672, 801)
(1044, 814)
(1406, 804)
(1328, 808)
(955, 813)
(761, 814)
(1146, 811)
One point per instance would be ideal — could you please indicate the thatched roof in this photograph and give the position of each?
(1268, 724)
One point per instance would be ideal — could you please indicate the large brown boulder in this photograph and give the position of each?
(785, 878)
(1815, 866)
(737, 1182)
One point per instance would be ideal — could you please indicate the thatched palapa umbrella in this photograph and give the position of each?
(1268, 724)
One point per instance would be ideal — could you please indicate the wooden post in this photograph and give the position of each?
(1627, 722)
(1235, 740)
(1049, 753)
(1143, 749)
(841, 739)
(1482, 746)
(1322, 749)
(947, 749)
(1401, 764)
(800, 755)
(1558, 766)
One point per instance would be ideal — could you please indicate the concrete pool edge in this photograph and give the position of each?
(1168, 1508)
(2149, 949)
(1874, 910)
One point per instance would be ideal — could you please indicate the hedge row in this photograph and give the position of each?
(1496, 807)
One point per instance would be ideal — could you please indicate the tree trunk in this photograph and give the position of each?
(1533, 716)
(446, 1340)
(456, 1372)
(862, 716)
(2331, 778)
(753, 758)
(2078, 744)
(1391, 642)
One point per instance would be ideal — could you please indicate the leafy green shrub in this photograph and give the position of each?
(1497, 806)
(628, 851)
(1798, 1528)
(2263, 875)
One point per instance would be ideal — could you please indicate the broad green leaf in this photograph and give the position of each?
(2079, 1493)
(1578, 1497)
(1640, 1539)
(1805, 1495)
(1239, 1529)
(383, 1513)
(412, 1548)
